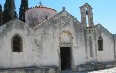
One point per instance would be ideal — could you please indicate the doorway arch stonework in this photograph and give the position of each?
(65, 46)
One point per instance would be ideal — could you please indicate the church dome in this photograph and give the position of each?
(38, 14)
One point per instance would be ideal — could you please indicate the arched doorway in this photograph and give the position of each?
(65, 55)
(65, 50)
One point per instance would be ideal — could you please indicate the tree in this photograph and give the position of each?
(12, 11)
(22, 9)
(9, 11)
(5, 19)
(1, 14)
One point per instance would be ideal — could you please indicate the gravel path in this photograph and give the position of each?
(110, 70)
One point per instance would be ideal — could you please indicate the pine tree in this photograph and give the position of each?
(22, 9)
(1, 14)
(9, 11)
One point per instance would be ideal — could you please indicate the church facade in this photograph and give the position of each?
(49, 42)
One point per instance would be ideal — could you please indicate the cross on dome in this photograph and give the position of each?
(40, 3)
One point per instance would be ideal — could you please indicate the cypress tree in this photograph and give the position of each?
(12, 9)
(9, 11)
(1, 14)
(5, 14)
(22, 9)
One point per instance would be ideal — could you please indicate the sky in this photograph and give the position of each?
(104, 11)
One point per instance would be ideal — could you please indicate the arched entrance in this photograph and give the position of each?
(65, 55)
(65, 50)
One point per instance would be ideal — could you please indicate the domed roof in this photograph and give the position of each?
(37, 14)
(41, 6)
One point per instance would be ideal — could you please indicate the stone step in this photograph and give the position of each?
(68, 71)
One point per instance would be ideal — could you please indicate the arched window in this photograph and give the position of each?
(100, 43)
(17, 43)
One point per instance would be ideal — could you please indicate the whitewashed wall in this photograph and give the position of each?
(41, 45)
(9, 59)
(52, 29)
(108, 45)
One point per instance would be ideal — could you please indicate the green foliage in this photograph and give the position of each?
(9, 11)
(22, 9)
(1, 14)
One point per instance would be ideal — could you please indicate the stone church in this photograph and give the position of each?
(51, 41)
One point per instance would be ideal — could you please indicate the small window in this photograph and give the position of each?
(17, 43)
(100, 43)
(46, 17)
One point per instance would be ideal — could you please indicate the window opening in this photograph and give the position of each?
(17, 44)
